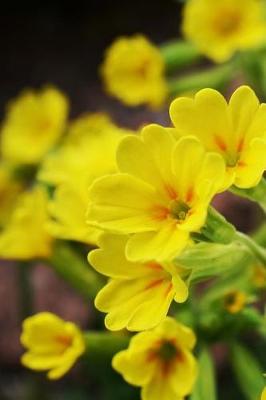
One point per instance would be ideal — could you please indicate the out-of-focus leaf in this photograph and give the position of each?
(205, 388)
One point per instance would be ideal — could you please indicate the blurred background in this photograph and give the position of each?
(63, 44)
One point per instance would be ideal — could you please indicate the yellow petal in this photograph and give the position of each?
(206, 117)
(252, 164)
(110, 258)
(121, 203)
(163, 245)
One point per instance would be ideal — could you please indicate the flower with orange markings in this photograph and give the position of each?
(160, 362)
(236, 130)
(160, 195)
(138, 295)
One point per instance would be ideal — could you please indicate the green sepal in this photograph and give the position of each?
(247, 371)
(217, 229)
(206, 260)
(205, 387)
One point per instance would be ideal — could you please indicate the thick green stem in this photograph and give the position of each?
(216, 77)
(258, 251)
(103, 344)
(257, 194)
(179, 54)
(75, 270)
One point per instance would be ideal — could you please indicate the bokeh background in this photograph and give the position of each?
(63, 45)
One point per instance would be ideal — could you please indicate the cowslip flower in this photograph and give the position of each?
(133, 71)
(263, 396)
(138, 295)
(51, 343)
(33, 124)
(236, 130)
(220, 28)
(87, 153)
(24, 236)
(160, 195)
(160, 362)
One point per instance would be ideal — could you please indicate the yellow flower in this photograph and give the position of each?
(88, 153)
(160, 361)
(52, 344)
(263, 396)
(138, 295)
(236, 130)
(235, 301)
(34, 122)
(160, 195)
(221, 27)
(9, 190)
(133, 71)
(25, 236)
(259, 276)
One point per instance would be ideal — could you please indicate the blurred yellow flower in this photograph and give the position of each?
(10, 188)
(133, 71)
(235, 301)
(52, 344)
(259, 276)
(160, 361)
(160, 195)
(139, 295)
(24, 236)
(34, 122)
(263, 396)
(221, 27)
(236, 130)
(87, 153)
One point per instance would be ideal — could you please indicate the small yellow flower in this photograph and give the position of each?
(52, 344)
(235, 301)
(160, 362)
(160, 195)
(263, 396)
(236, 130)
(138, 295)
(87, 153)
(25, 236)
(34, 122)
(133, 71)
(220, 28)
(9, 190)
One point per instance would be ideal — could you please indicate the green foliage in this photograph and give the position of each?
(205, 387)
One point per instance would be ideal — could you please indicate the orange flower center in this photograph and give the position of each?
(227, 22)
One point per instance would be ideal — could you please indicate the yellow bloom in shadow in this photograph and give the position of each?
(10, 188)
(51, 343)
(160, 362)
(133, 71)
(33, 124)
(235, 301)
(236, 130)
(220, 28)
(160, 195)
(87, 153)
(263, 396)
(138, 295)
(24, 236)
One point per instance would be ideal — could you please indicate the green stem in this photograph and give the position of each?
(178, 54)
(260, 235)
(256, 194)
(258, 251)
(215, 77)
(25, 289)
(102, 344)
(75, 270)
